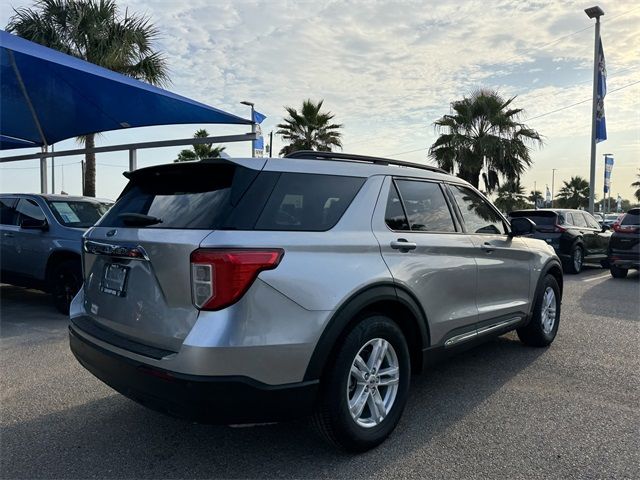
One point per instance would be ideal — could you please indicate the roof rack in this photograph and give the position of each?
(335, 156)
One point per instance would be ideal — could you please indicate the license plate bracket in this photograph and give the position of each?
(114, 279)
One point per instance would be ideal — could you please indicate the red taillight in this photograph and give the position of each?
(219, 277)
(625, 228)
(558, 229)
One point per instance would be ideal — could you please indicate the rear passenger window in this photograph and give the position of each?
(394, 216)
(8, 212)
(578, 220)
(478, 214)
(426, 207)
(569, 218)
(308, 202)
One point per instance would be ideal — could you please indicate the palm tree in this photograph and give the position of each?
(309, 129)
(201, 151)
(535, 196)
(574, 193)
(511, 196)
(483, 133)
(637, 184)
(96, 31)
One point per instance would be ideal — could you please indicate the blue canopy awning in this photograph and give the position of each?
(48, 96)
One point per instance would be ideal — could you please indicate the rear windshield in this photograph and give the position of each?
(78, 214)
(545, 219)
(631, 218)
(230, 197)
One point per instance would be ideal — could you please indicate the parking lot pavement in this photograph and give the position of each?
(500, 410)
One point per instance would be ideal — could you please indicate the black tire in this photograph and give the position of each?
(605, 263)
(573, 266)
(64, 282)
(332, 417)
(534, 333)
(618, 272)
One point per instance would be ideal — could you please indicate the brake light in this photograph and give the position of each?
(558, 229)
(625, 228)
(219, 277)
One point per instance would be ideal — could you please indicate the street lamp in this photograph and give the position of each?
(594, 12)
(253, 124)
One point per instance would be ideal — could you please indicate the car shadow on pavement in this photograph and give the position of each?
(112, 437)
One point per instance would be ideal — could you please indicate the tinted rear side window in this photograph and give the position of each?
(8, 211)
(196, 196)
(308, 202)
(394, 214)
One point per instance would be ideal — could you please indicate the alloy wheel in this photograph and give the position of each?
(373, 383)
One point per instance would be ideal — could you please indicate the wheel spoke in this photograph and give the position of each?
(375, 354)
(378, 410)
(358, 374)
(388, 376)
(357, 404)
(361, 364)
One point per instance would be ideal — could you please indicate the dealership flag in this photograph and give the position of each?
(601, 124)
(258, 144)
(608, 166)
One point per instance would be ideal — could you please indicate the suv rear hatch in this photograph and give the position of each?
(547, 221)
(137, 258)
(626, 237)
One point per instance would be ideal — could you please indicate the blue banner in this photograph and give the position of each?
(601, 124)
(258, 144)
(608, 166)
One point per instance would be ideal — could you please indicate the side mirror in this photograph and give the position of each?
(522, 226)
(34, 224)
(606, 227)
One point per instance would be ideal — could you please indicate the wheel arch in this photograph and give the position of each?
(552, 267)
(386, 298)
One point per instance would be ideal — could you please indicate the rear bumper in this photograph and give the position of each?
(624, 260)
(221, 400)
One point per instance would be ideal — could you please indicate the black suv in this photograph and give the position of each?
(575, 235)
(624, 247)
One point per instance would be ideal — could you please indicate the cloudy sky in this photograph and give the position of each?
(387, 70)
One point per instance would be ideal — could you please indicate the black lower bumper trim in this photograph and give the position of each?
(220, 400)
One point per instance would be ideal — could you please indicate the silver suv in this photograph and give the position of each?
(252, 290)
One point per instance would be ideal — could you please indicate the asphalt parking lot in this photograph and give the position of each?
(501, 410)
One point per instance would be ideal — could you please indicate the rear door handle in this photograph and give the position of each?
(487, 247)
(402, 245)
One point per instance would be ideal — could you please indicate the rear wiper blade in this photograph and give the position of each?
(138, 219)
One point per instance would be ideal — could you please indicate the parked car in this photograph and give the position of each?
(41, 241)
(574, 234)
(611, 218)
(254, 290)
(624, 247)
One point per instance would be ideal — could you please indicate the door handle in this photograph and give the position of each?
(487, 247)
(402, 245)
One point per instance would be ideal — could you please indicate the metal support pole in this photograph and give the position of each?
(82, 165)
(271, 144)
(43, 172)
(594, 106)
(133, 159)
(53, 171)
(535, 197)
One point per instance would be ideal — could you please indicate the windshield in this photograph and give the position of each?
(78, 213)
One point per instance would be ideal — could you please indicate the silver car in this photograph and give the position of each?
(252, 290)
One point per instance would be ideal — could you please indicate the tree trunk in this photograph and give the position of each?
(90, 168)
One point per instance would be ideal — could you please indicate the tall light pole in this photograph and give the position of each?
(553, 177)
(253, 125)
(594, 12)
